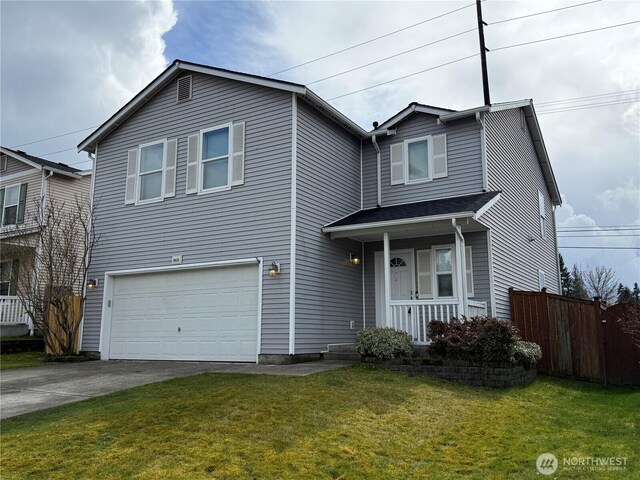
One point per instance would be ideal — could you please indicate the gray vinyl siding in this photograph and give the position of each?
(514, 169)
(480, 264)
(328, 287)
(250, 220)
(15, 166)
(464, 162)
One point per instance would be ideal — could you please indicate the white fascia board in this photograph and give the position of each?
(482, 210)
(399, 222)
(331, 110)
(88, 144)
(265, 82)
(401, 115)
(448, 117)
(20, 158)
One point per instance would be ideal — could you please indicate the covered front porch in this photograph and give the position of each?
(12, 313)
(417, 269)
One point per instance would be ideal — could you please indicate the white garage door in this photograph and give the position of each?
(205, 314)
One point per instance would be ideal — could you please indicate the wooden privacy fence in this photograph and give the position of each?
(55, 322)
(579, 338)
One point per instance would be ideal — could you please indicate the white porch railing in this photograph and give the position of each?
(11, 311)
(414, 316)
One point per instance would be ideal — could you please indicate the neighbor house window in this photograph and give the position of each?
(419, 159)
(10, 206)
(214, 159)
(8, 276)
(151, 171)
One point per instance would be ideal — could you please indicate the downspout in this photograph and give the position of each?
(461, 267)
(483, 150)
(375, 145)
(555, 240)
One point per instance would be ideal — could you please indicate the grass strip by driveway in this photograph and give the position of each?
(20, 360)
(352, 423)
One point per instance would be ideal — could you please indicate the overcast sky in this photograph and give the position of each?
(68, 66)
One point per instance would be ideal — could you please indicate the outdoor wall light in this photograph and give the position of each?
(354, 258)
(92, 283)
(274, 269)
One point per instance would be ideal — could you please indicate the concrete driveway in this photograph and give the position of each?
(25, 390)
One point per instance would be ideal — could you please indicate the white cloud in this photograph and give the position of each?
(74, 65)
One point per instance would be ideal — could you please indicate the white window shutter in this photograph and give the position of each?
(425, 279)
(397, 163)
(439, 155)
(237, 156)
(170, 169)
(469, 271)
(193, 145)
(132, 171)
(541, 204)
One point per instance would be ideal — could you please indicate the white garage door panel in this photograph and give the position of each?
(205, 314)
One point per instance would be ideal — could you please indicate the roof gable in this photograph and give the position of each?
(41, 163)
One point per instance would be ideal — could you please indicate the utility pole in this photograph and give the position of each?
(483, 54)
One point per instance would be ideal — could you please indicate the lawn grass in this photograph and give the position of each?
(354, 423)
(19, 360)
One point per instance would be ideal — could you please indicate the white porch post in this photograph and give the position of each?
(387, 280)
(461, 271)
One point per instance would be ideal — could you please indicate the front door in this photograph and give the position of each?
(402, 280)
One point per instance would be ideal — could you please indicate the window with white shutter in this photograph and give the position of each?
(421, 159)
(425, 281)
(469, 270)
(237, 157)
(132, 175)
(151, 165)
(220, 158)
(170, 169)
(193, 147)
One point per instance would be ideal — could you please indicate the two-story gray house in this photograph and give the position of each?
(246, 219)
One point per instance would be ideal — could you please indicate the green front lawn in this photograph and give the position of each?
(19, 360)
(352, 423)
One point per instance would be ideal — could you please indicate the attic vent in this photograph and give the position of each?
(184, 89)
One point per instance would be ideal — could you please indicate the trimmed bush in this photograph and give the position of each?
(481, 339)
(384, 343)
(526, 354)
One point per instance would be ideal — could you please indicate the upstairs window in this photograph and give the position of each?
(541, 211)
(13, 201)
(214, 159)
(418, 159)
(151, 172)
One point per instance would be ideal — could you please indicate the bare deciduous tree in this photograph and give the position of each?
(601, 282)
(54, 254)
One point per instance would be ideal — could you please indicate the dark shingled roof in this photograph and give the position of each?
(444, 206)
(45, 163)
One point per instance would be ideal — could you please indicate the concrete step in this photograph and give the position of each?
(343, 356)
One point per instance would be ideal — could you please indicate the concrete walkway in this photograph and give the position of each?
(25, 390)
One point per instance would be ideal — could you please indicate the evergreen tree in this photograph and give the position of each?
(636, 294)
(565, 277)
(624, 294)
(579, 287)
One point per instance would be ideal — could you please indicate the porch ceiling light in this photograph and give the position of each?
(274, 269)
(92, 283)
(354, 258)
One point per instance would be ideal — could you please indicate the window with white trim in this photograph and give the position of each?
(13, 203)
(214, 159)
(8, 277)
(419, 159)
(151, 172)
(541, 211)
(436, 272)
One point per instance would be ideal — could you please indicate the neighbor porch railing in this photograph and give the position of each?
(414, 316)
(12, 312)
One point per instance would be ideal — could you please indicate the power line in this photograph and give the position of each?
(601, 236)
(565, 36)
(586, 107)
(542, 13)
(372, 40)
(623, 92)
(392, 56)
(404, 76)
(54, 137)
(603, 248)
(627, 225)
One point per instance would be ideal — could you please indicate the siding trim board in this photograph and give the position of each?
(292, 256)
